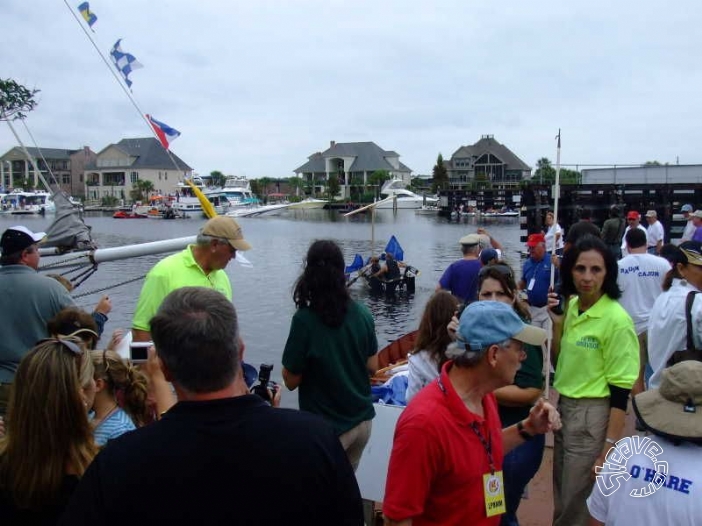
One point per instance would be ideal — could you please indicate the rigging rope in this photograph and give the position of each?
(108, 287)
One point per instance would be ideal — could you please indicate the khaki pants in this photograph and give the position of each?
(576, 448)
(355, 440)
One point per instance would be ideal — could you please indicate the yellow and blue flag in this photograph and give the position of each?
(88, 15)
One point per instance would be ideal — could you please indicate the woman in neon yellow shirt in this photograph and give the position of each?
(596, 356)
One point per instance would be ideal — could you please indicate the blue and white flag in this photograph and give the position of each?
(88, 15)
(124, 62)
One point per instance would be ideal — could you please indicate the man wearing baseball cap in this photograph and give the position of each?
(446, 461)
(461, 277)
(199, 265)
(660, 479)
(27, 302)
(690, 228)
(633, 220)
(536, 280)
(654, 233)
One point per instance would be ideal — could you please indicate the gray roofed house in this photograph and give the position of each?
(66, 166)
(351, 160)
(486, 161)
(118, 167)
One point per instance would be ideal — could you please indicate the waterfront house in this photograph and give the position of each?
(118, 167)
(486, 164)
(66, 165)
(352, 163)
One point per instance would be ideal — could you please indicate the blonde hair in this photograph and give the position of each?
(48, 432)
(125, 383)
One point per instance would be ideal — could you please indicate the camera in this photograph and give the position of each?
(139, 351)
(264, 383)
(558, 309)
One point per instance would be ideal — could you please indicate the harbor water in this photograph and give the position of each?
(263, 294)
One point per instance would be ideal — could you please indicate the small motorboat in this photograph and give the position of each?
(121, 214)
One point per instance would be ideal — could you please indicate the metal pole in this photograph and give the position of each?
(557, 192)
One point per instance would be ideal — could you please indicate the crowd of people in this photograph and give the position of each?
(87, 436)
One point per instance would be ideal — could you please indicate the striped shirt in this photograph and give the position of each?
(113, 426)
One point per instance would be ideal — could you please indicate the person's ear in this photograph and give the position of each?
(492, 354)
(242, 348)
(100, 384)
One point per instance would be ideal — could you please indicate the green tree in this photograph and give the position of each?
(333, 187)
(218, 178)
(15, 100)
(440, 175)
(296, 183)
(377, 179)
(545, 173)
(141, 190)
(264, 182)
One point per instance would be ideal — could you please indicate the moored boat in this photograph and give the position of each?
(403, 198)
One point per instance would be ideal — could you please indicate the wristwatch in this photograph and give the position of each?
(522, 433)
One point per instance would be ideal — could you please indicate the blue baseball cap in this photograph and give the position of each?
(484, 323)
(488, 254)
(686, 208)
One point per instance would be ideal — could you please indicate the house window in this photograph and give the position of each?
(159, 176)
(166, 176)
(81, 178)
(66, 179)
(133, 177)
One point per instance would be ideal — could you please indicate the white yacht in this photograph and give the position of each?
(238, 191)
(405, 198)
(20, 202)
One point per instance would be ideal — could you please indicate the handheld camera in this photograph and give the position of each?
(139, 351)
(264, 383)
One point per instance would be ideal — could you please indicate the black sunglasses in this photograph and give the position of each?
(505, 270)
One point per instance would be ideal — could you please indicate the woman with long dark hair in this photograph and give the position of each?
(429, 354)
(597, 362)
(48, 443)
(331, 349)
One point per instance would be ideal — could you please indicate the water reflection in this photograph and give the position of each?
(263, 294)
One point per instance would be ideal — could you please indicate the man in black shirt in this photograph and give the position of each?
(220, 455)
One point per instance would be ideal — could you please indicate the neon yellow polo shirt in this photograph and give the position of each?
(598, 348)
(175, 271)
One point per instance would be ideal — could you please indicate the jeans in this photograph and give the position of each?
(519, 467)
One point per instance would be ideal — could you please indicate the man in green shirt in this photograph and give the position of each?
(198, 265)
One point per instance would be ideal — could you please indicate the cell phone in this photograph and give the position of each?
(139, 351)
(558, 309)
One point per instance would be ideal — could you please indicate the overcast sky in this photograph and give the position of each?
(256, 87)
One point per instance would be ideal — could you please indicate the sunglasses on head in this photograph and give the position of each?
(67, 344)
(505, 270)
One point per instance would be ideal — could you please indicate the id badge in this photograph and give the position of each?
(494, 493)
(532, 282)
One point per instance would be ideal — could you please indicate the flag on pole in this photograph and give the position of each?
(164, 132)
(88, 15)
(124, 62)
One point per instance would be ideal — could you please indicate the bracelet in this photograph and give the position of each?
(610, 441)
(520, 429)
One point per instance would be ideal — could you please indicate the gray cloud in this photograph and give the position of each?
(256, 87)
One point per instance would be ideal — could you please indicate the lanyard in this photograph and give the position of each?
(487, 444)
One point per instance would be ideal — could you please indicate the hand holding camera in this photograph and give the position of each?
(556, 304)
(265, 388)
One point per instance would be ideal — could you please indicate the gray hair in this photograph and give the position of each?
(463, 356)
(196, 334)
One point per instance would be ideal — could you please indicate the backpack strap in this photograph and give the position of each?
(688, 317)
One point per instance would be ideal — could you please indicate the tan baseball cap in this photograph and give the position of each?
(226, 227)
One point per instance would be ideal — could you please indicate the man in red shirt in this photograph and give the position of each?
(446, 461)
